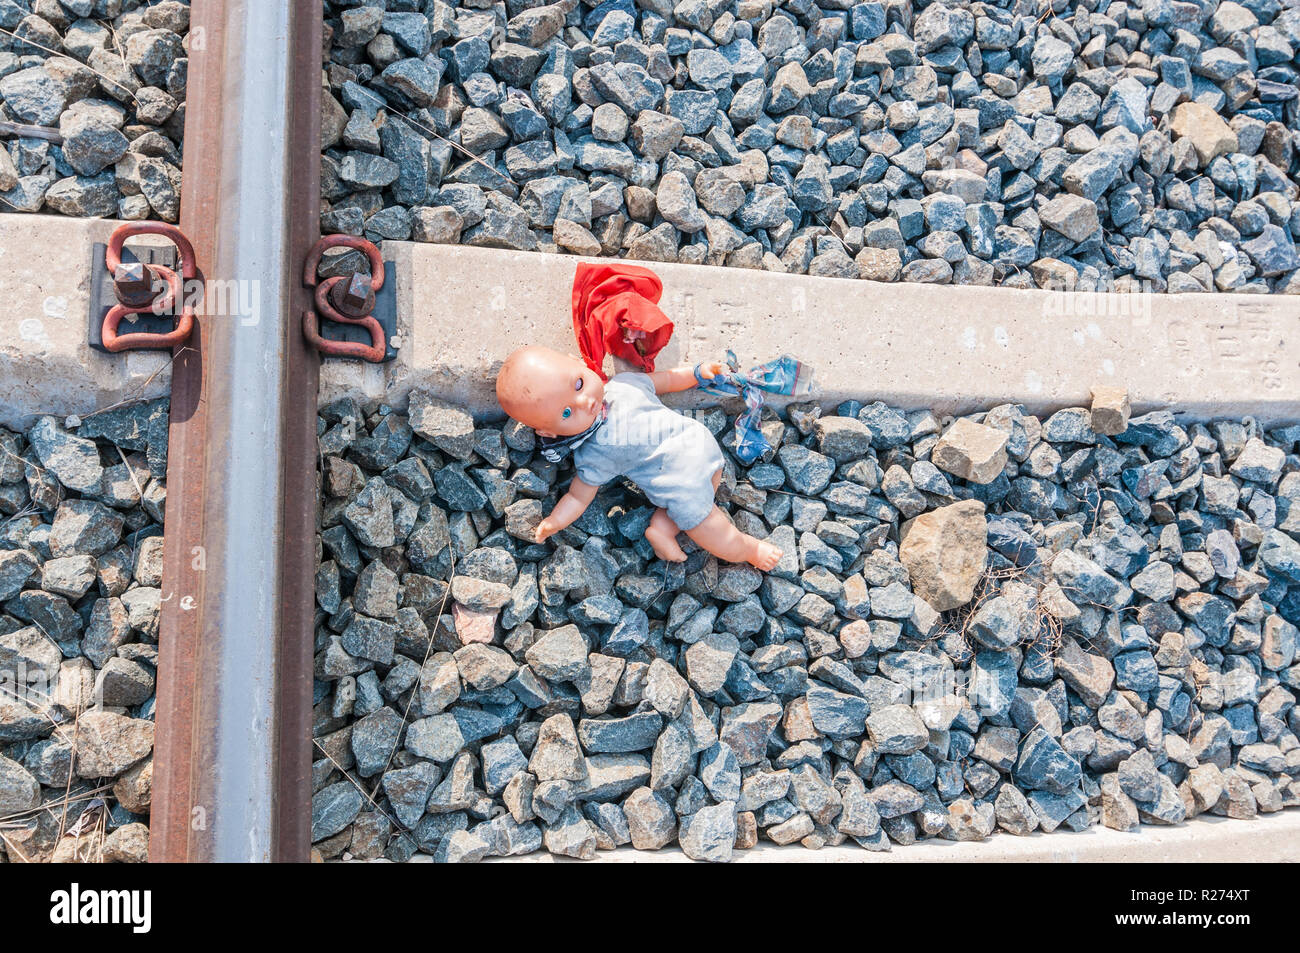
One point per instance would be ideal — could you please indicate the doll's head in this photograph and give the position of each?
(555, 394)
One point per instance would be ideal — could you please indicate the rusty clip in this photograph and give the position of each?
(133, 283)
(347, 299)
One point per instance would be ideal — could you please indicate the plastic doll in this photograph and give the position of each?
(622, 429)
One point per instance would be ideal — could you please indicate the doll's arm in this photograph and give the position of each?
(683, 378)
(572, 505)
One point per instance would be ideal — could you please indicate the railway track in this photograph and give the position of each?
(234, 704)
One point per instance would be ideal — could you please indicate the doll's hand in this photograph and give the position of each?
(545, 530)
(711, 369)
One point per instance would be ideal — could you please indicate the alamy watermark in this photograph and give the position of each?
(1129, 300)
(236, 298)
(75, 906)
(214, 297)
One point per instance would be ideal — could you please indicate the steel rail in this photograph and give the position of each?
(232, 755)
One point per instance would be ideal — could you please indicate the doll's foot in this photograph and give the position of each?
(766, 556)
(664, 544)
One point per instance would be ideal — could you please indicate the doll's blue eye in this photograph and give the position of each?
(577, 385)
(566, 413)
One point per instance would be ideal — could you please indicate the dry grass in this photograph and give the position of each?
(959, 621)
(130, 471)
(88, 833)
(32, 506)
(31, 509)
(96, 813)
(1037, 575)
(406, 712)
(90, 829)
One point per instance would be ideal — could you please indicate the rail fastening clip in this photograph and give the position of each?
(346, 299)
(134, 285)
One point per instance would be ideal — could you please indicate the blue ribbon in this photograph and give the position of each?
(785, 376)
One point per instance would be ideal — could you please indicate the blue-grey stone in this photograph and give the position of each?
(413, 83)
(333, 808)
(696, 109)
(502, 760)
(1280, 555)
(1085, 582)
(866, 20)
(410, 30)
(1054, 809)
(1272, 252)
(629, 633)
(720, 772)
(807, 471)
(914, 769)
(764, 208)
(993, 683)
(894, 799)
(408, 790)
(374, 739)
(1136, 671)
(1007, 538)
(1044, 765)
(836, 714)
(889, 428)
(1155, 431)
(635, 732)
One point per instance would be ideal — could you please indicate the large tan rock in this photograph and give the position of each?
(474, 626)
(75, 687)
(879, 264)
(127, 845)
(574, 237)
(944, 552)
(105, 743)
(1110, 410)
(1210, 135)
(134, 789)
(971, 451)
(1091, 676)
(19, 791)
(83, 848)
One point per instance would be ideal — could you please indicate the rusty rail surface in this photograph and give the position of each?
(232, 762)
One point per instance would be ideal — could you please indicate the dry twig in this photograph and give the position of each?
(19, 130)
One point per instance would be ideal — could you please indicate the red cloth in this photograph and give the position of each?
(612, 303)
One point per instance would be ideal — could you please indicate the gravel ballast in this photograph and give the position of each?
(1091, 146)
(109, 78)
(81, 520)
(990, 626)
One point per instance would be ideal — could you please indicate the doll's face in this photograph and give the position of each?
(555, 394)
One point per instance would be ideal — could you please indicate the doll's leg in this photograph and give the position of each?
(719, 536)
(661, 534)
